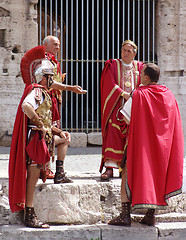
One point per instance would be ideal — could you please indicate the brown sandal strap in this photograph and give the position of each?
(31, 219)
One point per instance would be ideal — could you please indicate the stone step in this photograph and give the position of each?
(84, 202)
(161, 231)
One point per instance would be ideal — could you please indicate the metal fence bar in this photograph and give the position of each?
(87, 65)
(71, 65)
(97, 71)
(128, 35)
(153, 31)
(138, 30)
(77, 52)
(113, 29)
(133, 37)
(61, 54)
(40, 22)
(82, 65)
(45, 18)
(123, 22)
(144, 31)
(56, 17)
(149, 32)
(93, 13)
(66, 106)
(118, 32)
(103, 32)
(50, 17)
(108, 27)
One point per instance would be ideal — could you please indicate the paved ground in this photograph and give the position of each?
(79, 163)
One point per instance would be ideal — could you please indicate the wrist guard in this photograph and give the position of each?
(36, 120)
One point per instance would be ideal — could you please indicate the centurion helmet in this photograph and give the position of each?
(45, 68)
(34, 65)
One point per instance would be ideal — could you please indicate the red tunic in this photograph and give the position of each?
(155, 148)
(114, 131)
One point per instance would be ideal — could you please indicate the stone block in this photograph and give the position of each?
(18, 232)
(78, 139)
(137, 232)
(172, 231)
(95, 138)
(182, 85)
(74, 203)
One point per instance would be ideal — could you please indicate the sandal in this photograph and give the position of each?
(107, 174)
(124, 218)
(149, 218)
(31, 219)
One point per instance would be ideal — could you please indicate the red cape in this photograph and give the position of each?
(155, 148)
(17, 160)
(111, 101)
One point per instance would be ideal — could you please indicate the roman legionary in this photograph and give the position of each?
(32, 139)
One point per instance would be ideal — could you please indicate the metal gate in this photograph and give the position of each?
(91, 32)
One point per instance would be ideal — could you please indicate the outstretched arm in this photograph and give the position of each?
(64, 87)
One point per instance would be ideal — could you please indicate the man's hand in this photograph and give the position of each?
(78, 89)
(65, 137)
(43, 129)
(63, 77)
(125, 95)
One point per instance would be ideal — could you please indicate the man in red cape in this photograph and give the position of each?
(118, 79)
(34, 116)
(155, 149)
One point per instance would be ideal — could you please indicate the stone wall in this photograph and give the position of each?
(19, 31)
(171, 46)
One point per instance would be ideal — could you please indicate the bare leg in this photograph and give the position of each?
(62, 147)
(32, 177)
(124, 197)
(124, 219)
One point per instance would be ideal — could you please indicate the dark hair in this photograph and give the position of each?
(152, 71)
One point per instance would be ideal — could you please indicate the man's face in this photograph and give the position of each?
(53, 46)
(143, 76)
(46, 80)
(127, 53)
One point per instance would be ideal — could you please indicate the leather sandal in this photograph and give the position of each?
(107, 174)
(31, 219)
(124, 218)
(149, 218)
(60, 175)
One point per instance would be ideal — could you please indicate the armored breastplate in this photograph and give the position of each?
(57, 76)
(45, 112)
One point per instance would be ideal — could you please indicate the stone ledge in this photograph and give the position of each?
(161, 231)
(95, 138)
(88, 202)
(78, 140)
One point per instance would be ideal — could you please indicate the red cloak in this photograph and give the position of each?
(114, 139)
(17, 160)
(155, 148)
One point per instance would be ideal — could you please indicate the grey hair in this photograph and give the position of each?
(47, 39)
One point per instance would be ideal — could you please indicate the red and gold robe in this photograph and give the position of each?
(114, 128)
(155, 148)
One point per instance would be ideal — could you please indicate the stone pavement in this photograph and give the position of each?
(82, 164)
